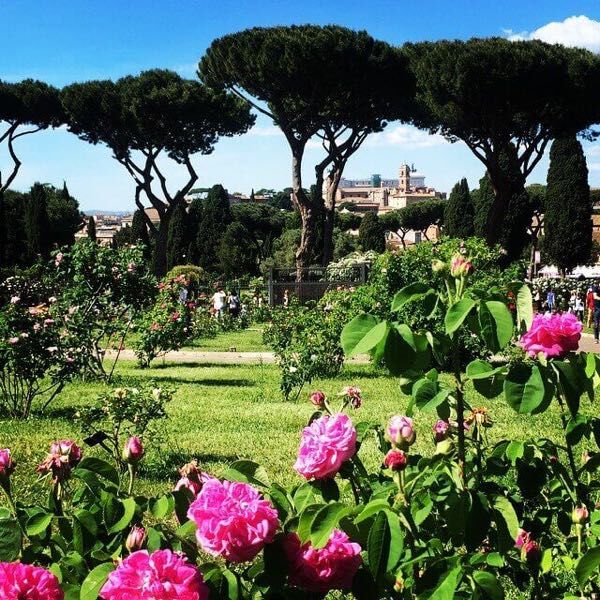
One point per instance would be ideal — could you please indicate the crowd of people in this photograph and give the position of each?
(585, 306)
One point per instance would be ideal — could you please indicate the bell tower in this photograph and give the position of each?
(404, 178)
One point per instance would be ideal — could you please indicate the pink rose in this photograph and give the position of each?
(320, 570)
(58, 259)
(20, 581)
(133, 451)
(400, 431)
(395, 460)
(13, 340)
(162, 575)
(15, 299)
(552, 335)
(63, 457)
(233, 520)
(326, 444)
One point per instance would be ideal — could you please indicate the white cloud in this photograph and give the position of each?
(406, 136)
(265, 131)
(580, 31)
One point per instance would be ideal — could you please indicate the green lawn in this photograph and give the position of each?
(222, 413)
(247, 340)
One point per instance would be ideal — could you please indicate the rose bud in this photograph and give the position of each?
(532, 553)
(353, 394)
(441, 430)
(438, 266)
(580, 515)
(400, 432)
(133, 450)
(136, 538)
(522, 538)
(399, 583)
(460, 266)
(7, 465)
(318, 399)
(395, 460)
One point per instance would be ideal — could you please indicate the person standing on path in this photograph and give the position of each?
(589, 305)
(550, 300)
(596, 313)
(219, 299)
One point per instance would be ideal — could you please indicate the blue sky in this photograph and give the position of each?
(66, 41)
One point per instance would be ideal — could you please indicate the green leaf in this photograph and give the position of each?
(382, 550)
(398, 353)
(496, 324)
(305, 523)
(489, 584)
(129, 506)
(37, 524)
(247, 471)
(457, 313)
(524, 304)
(514, 450)
(507, 522)
(355, 331)
(572, 382)
(446, 589)
(10, 539)
(480, 369)
(162, 506)
(324, 522)
(524, 388)
(233, 592)
(412, 291)
(99, 467)
(371, 509)
(588, 565)
(424, 391)
(92, 584)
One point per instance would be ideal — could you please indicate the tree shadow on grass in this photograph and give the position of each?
(165, 467)
(192, 381)
(60, 412)
(194, 365)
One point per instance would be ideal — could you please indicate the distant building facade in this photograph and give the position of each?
(382, 195)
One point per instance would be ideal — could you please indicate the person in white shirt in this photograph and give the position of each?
(219, 300)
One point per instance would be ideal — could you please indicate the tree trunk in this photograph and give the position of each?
(160, 244)
(333, 180)
(2, 229)
(308, 214)
(502, 194)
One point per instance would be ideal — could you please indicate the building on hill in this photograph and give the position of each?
(382, 195)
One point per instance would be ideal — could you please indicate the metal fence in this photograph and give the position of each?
(313, 282)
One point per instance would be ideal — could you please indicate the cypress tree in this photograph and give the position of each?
(482, 200)
(91, 229)
(459, 212)
(215, 218)
(139, 229)
(194, 219)
(371, 233)
(568, 211)
(36, 222)
(177, 240)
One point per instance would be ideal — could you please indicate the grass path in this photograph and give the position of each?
(224, 412)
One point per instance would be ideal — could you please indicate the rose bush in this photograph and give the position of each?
(170, 323)
(465, 519)
(102, 292)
